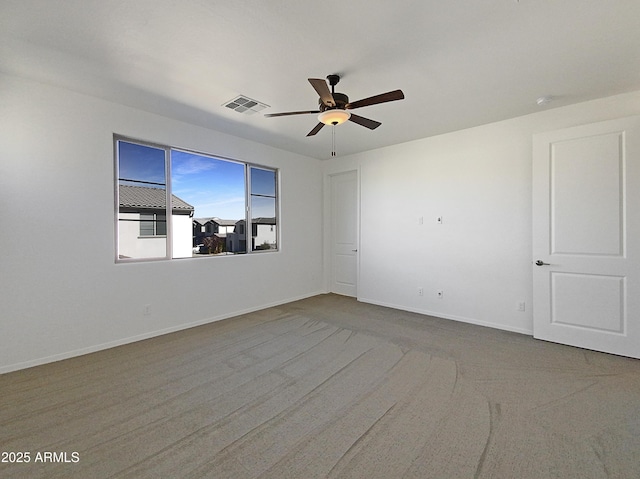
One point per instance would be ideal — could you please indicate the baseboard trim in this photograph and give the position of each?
(477, 322)
(140, 337)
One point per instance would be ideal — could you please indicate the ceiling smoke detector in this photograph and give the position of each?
(544, 100)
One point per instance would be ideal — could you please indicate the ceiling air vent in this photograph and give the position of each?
(246, 105)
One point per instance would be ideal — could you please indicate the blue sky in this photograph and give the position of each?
(214, 187)
(140, 162)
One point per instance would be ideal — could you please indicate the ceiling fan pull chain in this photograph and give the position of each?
(333, 140)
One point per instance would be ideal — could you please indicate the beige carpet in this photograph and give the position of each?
(327, 387)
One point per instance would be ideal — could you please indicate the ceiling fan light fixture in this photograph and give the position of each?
(334, 117)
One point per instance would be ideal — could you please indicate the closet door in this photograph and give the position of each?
(344, 233)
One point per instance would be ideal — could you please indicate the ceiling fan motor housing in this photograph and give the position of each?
(340, 99)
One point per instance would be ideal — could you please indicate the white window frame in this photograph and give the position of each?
(248, 227)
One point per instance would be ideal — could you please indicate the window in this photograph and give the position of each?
(153, 224)
(263, 208)
(174, 203)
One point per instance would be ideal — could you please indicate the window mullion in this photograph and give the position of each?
(247, 201)
(169, 209)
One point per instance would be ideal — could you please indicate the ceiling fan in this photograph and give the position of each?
(334, 107)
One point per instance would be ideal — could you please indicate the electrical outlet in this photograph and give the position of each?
(146, 309)
(439, 220)
(420, 291)
(440, 294)
(521, 306)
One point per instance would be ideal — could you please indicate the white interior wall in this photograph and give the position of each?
(62, 293)
(479, 181)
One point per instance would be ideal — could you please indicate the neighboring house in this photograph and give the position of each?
(142, 223)
(236, 241)
(263, 235)
(206, 227)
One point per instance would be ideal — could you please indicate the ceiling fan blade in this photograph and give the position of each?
(288, 113)
(323, 91)
(360, 120)
(374, 100)
(316, 129)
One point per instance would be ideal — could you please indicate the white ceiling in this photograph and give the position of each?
(460, 63)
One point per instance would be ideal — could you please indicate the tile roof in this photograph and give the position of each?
(264, 221)
(215, 219)
(145, 197)
(261, 220)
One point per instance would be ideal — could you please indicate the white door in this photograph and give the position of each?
(586, 236)
(344, 233)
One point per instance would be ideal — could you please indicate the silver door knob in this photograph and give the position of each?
(541, 263)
